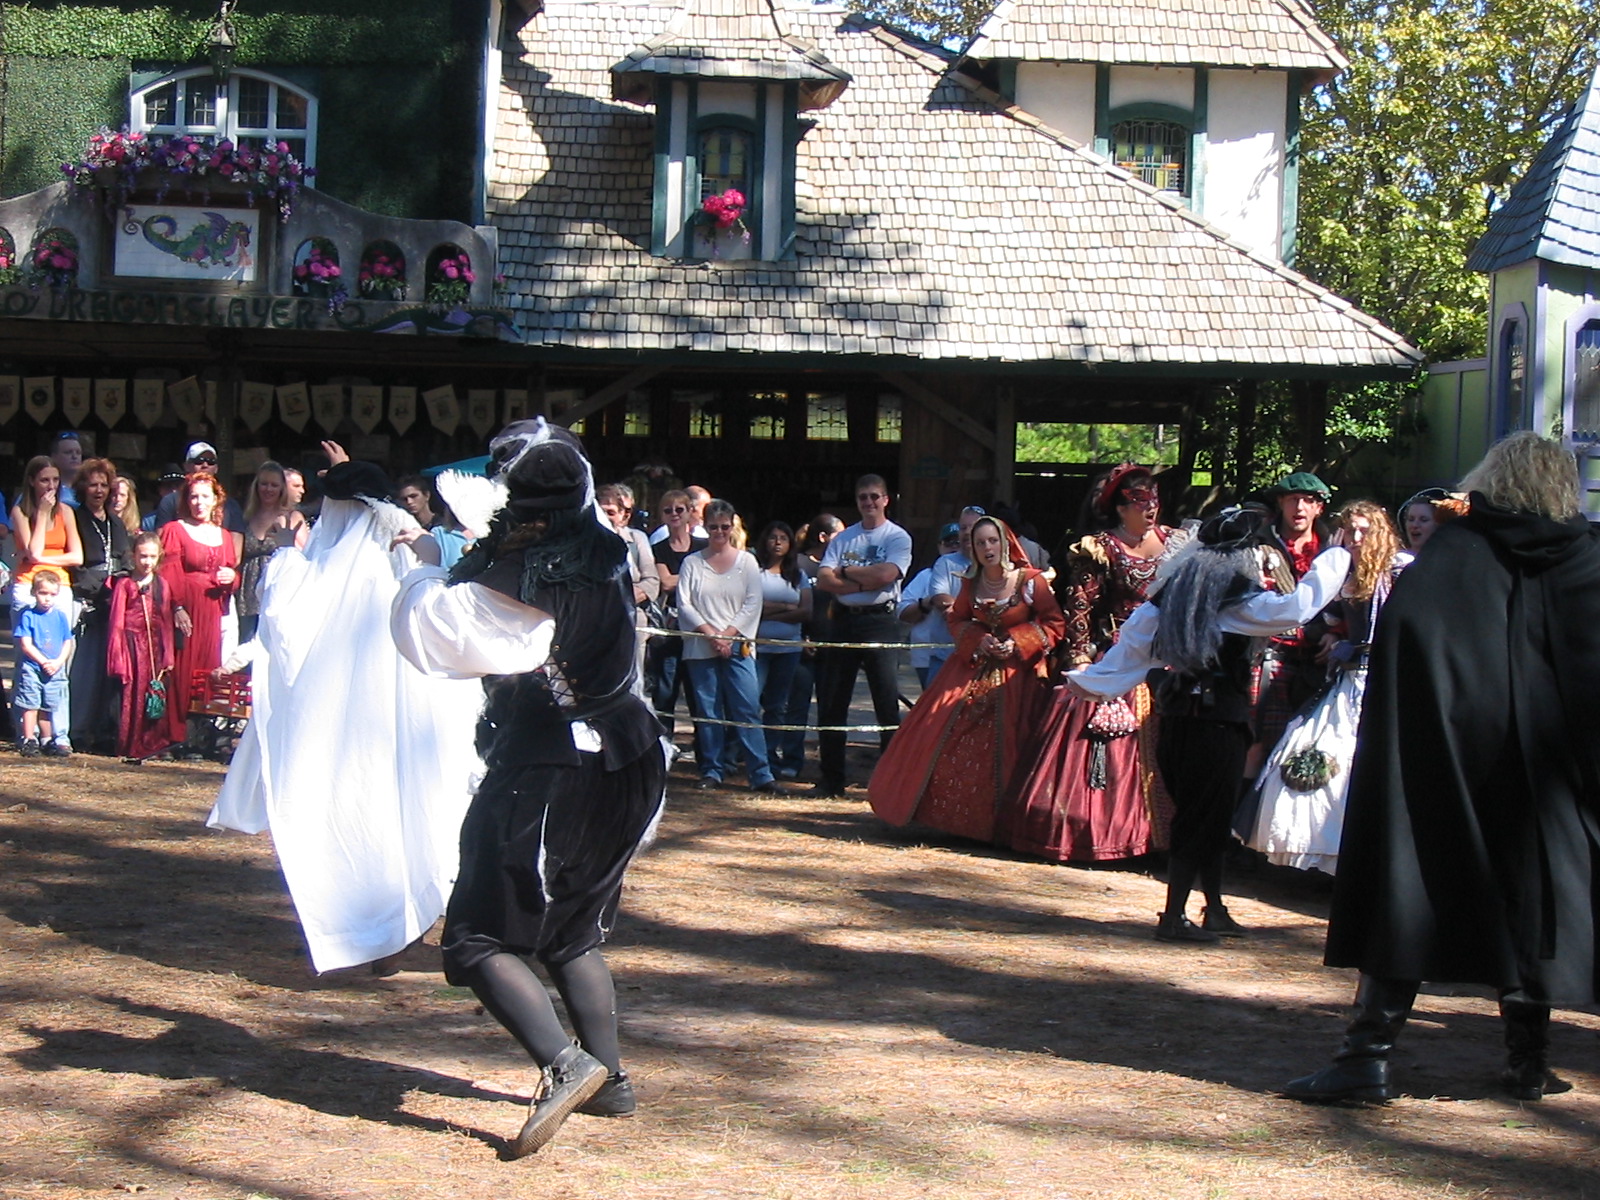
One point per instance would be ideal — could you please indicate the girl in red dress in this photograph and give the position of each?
(199, 565)
(139, 653)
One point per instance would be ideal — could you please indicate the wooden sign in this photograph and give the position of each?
(443, 408)
(110, 400)
(149, 396)
(402, 408)
(255, 404)
(294, 406)
(366, 406)
(77, 399)
(327, 404)
(39, 397)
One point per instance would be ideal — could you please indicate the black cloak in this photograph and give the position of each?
(1472, 829)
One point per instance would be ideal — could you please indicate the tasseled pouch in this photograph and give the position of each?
(1110, 720)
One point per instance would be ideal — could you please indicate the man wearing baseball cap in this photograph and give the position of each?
(201, 458)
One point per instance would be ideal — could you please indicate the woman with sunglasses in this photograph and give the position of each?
(1084, 797)
(720, 597)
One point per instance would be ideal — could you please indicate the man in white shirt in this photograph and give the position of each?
(861, 570)
(926, 618)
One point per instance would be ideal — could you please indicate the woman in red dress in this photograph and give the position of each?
(1085, 796)
(950, 761)
(199, 565)
(139, 651)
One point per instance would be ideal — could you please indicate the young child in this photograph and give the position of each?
(43, 638)
(139, 652)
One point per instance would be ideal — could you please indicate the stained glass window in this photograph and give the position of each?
(827, 419)
(888, 418)
(636, 416)
(1156, 151)
(1586, 387)
(769, 422)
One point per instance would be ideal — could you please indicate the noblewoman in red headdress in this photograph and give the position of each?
(950, 762)
(1084, 797)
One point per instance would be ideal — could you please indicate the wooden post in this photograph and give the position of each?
(1245, 452)
(1005, 445)
(1311, 409)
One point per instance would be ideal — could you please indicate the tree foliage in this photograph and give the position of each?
(1406, 153)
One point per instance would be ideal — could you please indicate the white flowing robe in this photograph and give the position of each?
(361, 765)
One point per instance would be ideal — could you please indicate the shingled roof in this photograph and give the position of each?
(1217, 33)
(1554, 211)
(729, 39)
(932, 223)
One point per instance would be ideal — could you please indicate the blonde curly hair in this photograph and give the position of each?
(1527, 473)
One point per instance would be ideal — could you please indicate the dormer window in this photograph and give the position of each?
(250, 109)
(1154, 151)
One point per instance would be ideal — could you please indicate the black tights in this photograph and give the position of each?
(516, 997)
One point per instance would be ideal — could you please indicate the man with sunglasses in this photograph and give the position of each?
(66, 451)
(201, 458)
(861, 569)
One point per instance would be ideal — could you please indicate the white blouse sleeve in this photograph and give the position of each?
(1125, 665)
(1271, 613)
(468, 630)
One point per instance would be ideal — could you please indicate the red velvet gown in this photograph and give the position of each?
(140, 649)
(189, 569)
(1088, 798)
(951, 759)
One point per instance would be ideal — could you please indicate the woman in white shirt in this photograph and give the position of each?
(719, 596)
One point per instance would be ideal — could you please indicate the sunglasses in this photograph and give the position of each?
(870, 496)
(675, 510)
(714, 528)
(204, 461)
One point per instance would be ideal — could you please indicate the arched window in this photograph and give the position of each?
(1512, 410)
(1586, 385)
(251, 108)
(725, 155)
(1154, 150)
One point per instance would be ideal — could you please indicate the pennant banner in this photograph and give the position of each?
(294, 406)
(402, 408)
(366, 407)
(516, 404)
(149, 396)
(10, 397)
(327, 402)
(480, 410)
(77, 399)
(255, 405)
(39, 396)
(188, 401)
(443, 408)
(110, 400)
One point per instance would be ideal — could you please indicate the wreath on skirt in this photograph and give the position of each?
(1309, 769)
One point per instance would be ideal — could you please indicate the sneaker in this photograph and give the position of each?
(29, 748)
(614, 1099)
(56, 749)
(571, 1080)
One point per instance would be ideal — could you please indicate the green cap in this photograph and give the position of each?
(1301, 481)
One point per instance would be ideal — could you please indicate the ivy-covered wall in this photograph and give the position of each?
(398, 85)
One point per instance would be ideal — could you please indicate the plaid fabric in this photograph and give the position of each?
(1282, 685)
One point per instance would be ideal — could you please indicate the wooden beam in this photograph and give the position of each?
(1005, 446)
(612, 391)
(943, 408)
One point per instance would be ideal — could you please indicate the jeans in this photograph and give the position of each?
(792, 745)
(726, 689)
(666, 678)
(836, 683)
(775, 674)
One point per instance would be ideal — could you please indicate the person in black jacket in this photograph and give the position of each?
(1472, 832)
(543, 608)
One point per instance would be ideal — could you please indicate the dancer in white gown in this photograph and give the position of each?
(360, 765)
(1300, 817)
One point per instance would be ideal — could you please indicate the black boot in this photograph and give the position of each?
(568, 1083)
(1527, 1026)
(1360, 1071)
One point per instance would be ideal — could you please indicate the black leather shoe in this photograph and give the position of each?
(1175, 927)
(1220, 922)
(571, 1080)
(1527, 1032)
(614, 1099)
(1348, 1081)
(826, 791)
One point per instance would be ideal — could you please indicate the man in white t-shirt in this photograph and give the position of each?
(926, 618)
(861, 570)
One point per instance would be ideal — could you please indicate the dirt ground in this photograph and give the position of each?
(813, 1006)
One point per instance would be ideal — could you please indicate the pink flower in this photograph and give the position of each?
(733, 198)
(469, 276)
(449, 269)
(61, 262)
(282, 147)
(225, 169)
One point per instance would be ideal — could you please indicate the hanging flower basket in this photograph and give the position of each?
(722, 215)
(450, 280)
(121, 163)
(54, 262)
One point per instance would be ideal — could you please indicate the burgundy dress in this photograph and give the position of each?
(1088, 797)
(189, 569)
(139, 649)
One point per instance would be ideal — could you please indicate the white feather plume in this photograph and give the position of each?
(474, 499)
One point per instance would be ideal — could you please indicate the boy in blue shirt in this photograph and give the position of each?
(43, 638)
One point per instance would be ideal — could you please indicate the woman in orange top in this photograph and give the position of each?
(46, 533)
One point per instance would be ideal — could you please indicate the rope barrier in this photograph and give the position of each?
(807, 644)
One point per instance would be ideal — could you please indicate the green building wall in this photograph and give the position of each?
(398, 85)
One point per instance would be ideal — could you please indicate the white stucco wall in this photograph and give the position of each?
(736, 99)
(1152, 85)
(1061, 95)
(1247, 112)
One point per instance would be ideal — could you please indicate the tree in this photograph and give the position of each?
(1406, 153)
